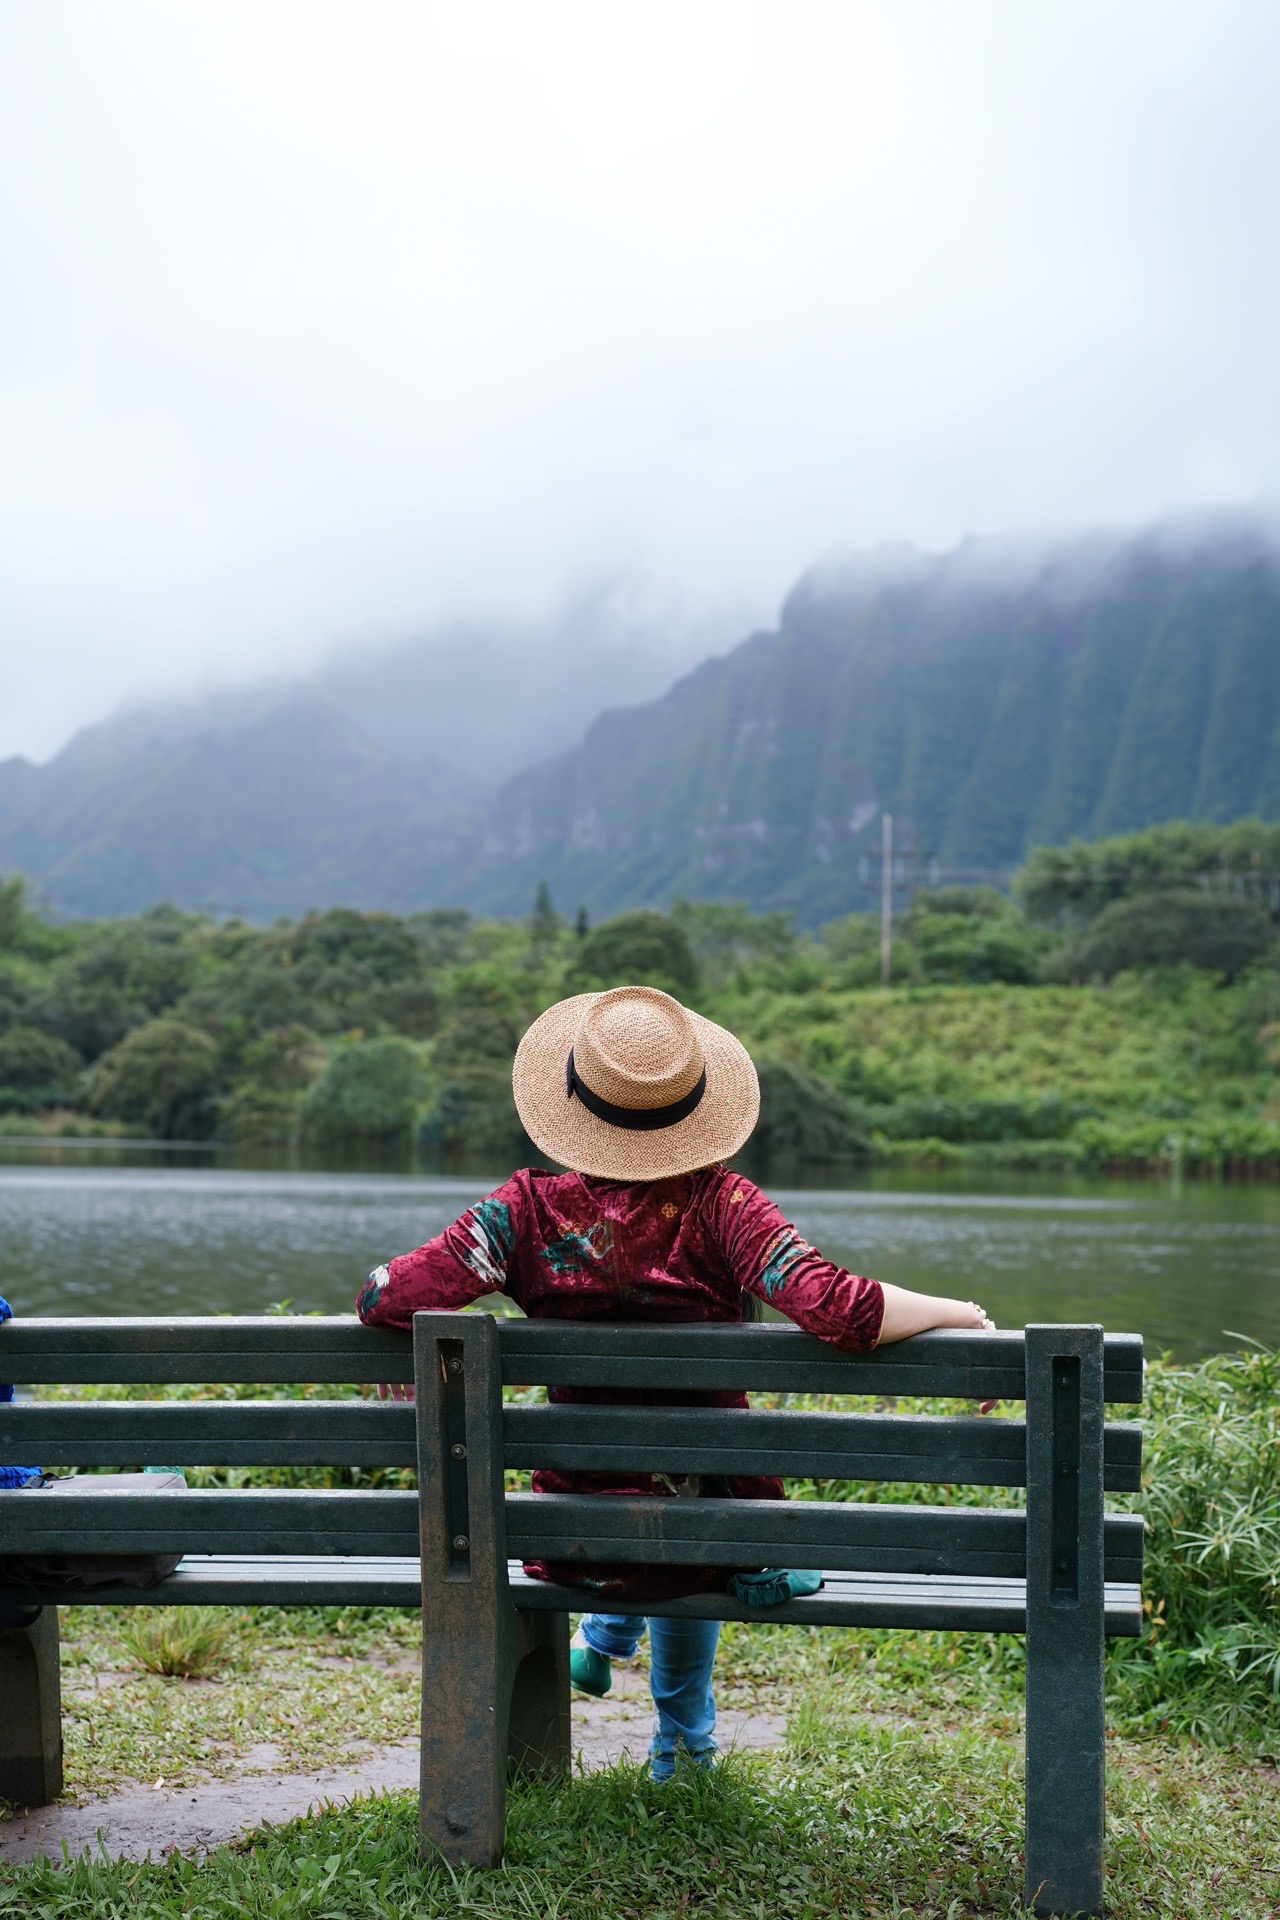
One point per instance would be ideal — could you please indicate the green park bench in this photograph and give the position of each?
(495, 1691)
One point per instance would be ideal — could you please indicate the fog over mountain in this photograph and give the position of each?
(1008, 693)
(332, 327)
(366, 782)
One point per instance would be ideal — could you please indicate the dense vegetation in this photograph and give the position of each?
(1123, 1010)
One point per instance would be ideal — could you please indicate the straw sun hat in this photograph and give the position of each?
(630, 1085)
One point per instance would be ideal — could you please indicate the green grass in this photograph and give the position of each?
(188, 1643)
(852, 1818)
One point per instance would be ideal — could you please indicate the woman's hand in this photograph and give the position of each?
(395, 1390)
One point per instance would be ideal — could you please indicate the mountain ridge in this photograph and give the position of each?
(1007, 694)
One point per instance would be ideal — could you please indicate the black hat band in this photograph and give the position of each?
(634, 1119)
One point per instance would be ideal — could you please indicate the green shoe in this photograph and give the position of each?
(589, 1671)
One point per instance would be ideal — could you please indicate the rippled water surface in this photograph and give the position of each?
(144, 1233)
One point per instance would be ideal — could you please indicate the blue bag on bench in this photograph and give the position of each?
(14, 1476)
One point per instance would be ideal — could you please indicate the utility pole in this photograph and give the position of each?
(886, 899)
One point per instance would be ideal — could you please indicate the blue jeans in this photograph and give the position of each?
(681, 1656)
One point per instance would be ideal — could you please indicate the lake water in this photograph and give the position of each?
(88, 1230)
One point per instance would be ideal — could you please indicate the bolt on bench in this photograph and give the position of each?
(495, 1643)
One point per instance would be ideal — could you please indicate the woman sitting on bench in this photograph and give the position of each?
(643, 1101)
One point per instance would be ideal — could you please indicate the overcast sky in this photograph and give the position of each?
(320, 323)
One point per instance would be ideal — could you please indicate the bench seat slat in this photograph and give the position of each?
(210, 1433)
(848, 1599)
(841, 1446)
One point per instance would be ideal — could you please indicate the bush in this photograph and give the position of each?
(164, 1078)
(643, 949)
(972, 936)
(1210, 931)
(368, 1091)
(1210, 1662)
(803, 1117)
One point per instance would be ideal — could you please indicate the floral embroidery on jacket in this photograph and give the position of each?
(574, 1250)
(493, 1241)
(782, 1255)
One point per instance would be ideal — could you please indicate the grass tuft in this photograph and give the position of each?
(185, 1642)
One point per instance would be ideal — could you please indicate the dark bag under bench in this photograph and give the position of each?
(495, 1643)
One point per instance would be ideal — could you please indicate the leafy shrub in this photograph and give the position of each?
(162, 1077)
(1210, 931)
(368, 1091)
(637, 950)
(852, 946)
(1210, 1662)
(181, 1641)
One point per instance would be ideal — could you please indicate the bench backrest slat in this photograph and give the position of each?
(278, 1349)
(262, 1349)
(209, 1433)
(938, 1450)
(951, 1364)
(794, 1533)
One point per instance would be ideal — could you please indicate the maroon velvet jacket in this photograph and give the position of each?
(698, 1247)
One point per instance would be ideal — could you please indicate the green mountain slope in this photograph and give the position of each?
(1099, 692)
(992, 699)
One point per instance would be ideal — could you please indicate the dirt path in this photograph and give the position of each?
(141, 1820)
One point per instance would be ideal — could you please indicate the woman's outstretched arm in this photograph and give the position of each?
(907, 1313)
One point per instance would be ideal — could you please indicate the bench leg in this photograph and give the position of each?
(493, 1709)
(31, 1713)
(539, 1738)
(1065, 1719)
(1065, 1743)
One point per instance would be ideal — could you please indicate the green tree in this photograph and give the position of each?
(276, 1068)
(164, 1078)
(642, 949)
(1070, 886)
(37, 1070)
(369, 1091)
(804, 1118)
(728, 939)
(972, 936)
(1180, 927)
